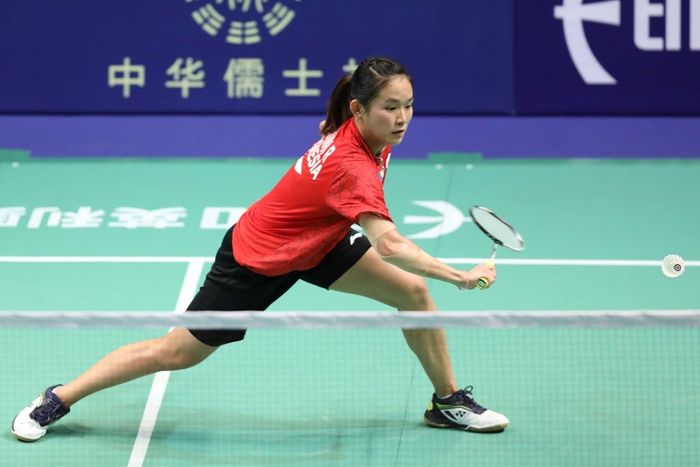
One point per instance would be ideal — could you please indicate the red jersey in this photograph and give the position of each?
(313, 205)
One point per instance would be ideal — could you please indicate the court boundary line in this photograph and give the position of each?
(161, 379)
(457, 260)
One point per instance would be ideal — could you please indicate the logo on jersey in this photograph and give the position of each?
(382, 171)
(317, 155)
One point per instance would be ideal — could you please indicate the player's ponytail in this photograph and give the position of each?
(369, 78)
(338, 106)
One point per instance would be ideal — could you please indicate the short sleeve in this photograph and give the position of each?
(357, 189)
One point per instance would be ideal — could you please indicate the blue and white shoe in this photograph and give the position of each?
(461, 411)
(30, 424)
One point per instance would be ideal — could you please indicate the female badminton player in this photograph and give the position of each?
(301, 230)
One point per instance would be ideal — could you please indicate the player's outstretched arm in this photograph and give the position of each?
(396, 249)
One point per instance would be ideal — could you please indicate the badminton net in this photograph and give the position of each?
(343, 388)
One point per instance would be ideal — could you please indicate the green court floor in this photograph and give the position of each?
(113, 235)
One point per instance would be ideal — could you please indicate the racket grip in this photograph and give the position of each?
(483, 283)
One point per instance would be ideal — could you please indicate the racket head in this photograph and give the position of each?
(496, 228)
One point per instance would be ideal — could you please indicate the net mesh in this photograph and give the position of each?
(333, 388)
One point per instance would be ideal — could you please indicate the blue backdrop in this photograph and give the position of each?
(247, 56)
(611, 57)
(284, 56)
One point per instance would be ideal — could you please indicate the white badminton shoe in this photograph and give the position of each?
(461, 411)
(30, 424)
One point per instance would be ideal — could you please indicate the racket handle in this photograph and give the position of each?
(483, 283)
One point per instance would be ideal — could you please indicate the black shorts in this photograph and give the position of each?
(230, 286)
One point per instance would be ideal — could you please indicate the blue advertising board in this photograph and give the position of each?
(607, 57)
(284, 56)
(247, 56)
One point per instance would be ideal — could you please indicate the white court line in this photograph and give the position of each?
(160, 380)
(105, 259)
(565, 262)
(204, 259)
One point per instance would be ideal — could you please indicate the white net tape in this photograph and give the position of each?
(354, 319)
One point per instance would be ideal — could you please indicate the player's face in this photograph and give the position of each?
(386, 119)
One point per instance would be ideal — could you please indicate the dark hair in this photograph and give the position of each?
(369, 78)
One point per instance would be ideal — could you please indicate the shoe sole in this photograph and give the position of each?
(20, 437)
(487, 429)
(23, 438)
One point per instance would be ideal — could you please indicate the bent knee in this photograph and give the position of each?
(417, 297)
(170, 358)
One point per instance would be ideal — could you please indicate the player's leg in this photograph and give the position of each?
(372, 277)
(176, 350)
(227, 287)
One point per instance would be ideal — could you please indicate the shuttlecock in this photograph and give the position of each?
(672, 266)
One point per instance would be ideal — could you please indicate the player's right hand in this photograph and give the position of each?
(484, 270)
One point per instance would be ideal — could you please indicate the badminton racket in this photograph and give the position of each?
(499, 231)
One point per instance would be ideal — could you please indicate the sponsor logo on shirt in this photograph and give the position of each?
(317, 155)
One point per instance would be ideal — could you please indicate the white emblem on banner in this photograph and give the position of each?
(572, 14)
(242, 22)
